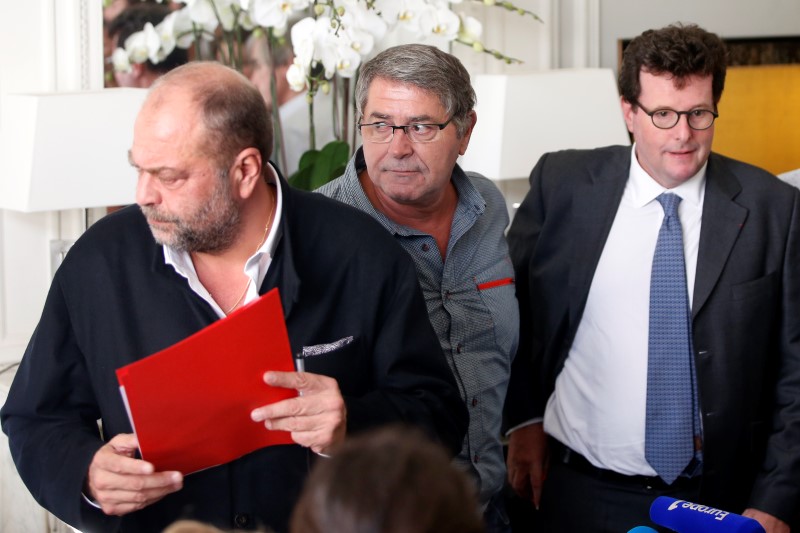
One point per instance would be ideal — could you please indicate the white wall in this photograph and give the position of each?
(624, 19)
(47, 45)
(584, 33)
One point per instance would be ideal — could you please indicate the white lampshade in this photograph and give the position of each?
(67, 150)
(522, 116)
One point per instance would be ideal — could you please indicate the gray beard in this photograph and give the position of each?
(211, 229)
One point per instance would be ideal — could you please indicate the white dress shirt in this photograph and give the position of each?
(256, 266)
(599, 402)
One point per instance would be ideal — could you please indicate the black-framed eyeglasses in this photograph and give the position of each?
(664, 119)
(381, 132)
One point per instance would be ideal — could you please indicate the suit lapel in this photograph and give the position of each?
(595, 203)
(722, 221)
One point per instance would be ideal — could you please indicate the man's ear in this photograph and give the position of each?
(283, 91)
(464, 141)
(247, 171)
(627, 112)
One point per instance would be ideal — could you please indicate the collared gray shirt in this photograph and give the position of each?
(471, 303)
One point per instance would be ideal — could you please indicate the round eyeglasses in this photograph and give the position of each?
(664, 119)
(381, 132)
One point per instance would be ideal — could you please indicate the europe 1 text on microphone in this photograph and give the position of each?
(688, 517)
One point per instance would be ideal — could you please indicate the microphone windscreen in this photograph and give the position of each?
(642, 529)
(688, 517)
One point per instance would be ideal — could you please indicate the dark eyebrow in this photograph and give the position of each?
(412, 120)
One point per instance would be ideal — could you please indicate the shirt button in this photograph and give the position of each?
(474, 402)
(425, 247)
(458, 348)
(475, 458)
(241, 519)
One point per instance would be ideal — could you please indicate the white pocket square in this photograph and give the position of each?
(318, 349)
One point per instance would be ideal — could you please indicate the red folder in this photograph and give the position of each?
(190, 404)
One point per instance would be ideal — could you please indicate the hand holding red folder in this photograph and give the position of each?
(317, 418)
(190, 404)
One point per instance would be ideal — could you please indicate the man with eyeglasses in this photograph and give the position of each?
(416, 115)
(659, 291)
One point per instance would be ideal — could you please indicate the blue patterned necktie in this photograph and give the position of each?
(669, 433)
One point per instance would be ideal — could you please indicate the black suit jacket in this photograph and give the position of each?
(114, 300)
(746, 311)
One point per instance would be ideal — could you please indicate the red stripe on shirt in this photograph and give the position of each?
(495, 283)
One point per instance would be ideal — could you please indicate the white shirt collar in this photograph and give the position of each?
(256, 265)
(644, 189)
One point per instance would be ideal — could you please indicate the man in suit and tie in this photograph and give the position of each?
(659, 290)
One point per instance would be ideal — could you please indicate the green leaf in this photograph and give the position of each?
(318, 167)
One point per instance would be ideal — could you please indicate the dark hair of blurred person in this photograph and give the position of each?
(392, 480)
(131, 20)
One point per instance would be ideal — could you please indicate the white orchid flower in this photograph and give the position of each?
(439, 22)
(364, 19)
(348, 62)
(325, 41)
(406, 14)
(359, 40)
(275, 13)
(166, 33)
(153, 41)
(271, 13)
(143, 45)
(471, 30)
(182, 27)
(345, 6)
(303, 37)
(441, 4)
(225, 14)
(389, 10)
(201, 12)
(338, 57)
(297, 75)
(120, 60)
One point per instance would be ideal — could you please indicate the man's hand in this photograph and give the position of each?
(317, 418)
(767, 521)
(527, 456)
(121, 484)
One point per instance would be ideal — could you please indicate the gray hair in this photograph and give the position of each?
(425, 67)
